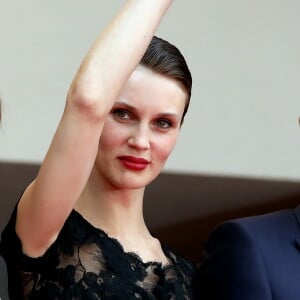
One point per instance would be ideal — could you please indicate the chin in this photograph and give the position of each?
(133, 182)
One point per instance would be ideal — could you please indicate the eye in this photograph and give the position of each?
(121, 114)
(164, 123)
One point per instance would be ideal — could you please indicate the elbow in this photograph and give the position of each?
(86, 104)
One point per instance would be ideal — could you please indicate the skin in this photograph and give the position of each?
(69, 175)
(144, 123)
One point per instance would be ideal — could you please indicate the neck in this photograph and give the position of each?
(118, 212)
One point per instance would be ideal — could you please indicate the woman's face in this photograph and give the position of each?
(141, 130)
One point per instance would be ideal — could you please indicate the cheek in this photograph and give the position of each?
(164, 147)
(112, 136)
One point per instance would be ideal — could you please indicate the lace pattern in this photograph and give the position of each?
(85, 263)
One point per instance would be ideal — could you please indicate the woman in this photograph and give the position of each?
(78, 230)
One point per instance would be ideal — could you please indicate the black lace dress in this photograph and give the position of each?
(85, 263)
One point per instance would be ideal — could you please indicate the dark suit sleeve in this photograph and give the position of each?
(232, 267)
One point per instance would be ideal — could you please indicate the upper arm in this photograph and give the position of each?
(232, 267)
(47, 201)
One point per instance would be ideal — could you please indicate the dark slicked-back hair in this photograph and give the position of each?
(166, 59)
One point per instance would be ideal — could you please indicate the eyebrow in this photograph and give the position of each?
(134, 109)
(125, 105)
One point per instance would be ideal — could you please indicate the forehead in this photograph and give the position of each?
(145, 87)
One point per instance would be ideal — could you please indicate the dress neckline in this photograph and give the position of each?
(130, 254)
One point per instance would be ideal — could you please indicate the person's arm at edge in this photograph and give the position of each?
(232, 267)
(48, 201)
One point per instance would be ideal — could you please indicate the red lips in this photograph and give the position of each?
(134, 163)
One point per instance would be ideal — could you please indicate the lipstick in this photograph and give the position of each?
(134, 163)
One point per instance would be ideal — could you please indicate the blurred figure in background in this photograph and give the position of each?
(253, 258)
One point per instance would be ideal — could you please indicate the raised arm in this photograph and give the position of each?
(47, 202)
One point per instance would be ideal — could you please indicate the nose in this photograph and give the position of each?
(139, 138)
